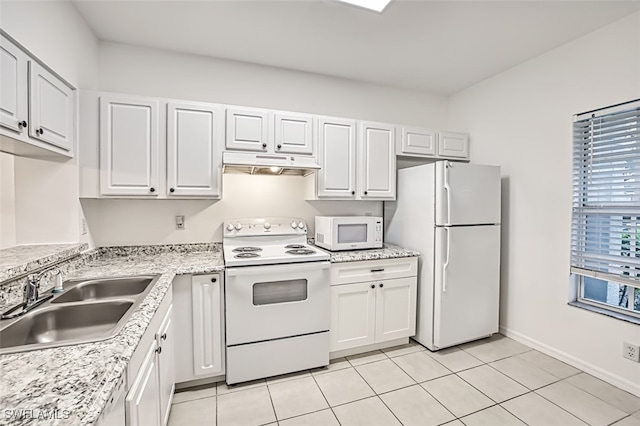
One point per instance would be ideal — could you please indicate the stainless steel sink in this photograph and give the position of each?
(89, 310)
(85, 290)
(56, 324)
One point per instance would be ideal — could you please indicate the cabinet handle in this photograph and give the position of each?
(264, 145)
(279, 146)
(22, 124)
(378, 270)
(164, 335)
(365, 192)
(373, 286)
(381, 285)
(172, 190)
(152, 189)
(39, 131)
(159, 349)
(353, 192)
(213, 280)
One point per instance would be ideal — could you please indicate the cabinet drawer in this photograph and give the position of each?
(372, 270)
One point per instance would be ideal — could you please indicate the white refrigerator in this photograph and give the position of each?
(450, 213)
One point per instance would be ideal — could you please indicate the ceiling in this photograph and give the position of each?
(439, 47)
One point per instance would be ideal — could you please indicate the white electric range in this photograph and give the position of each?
(277, 299)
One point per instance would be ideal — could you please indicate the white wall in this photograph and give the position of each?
(7, 202)
(132, 222)
(150, 72)
(46, 207)
(522, 120)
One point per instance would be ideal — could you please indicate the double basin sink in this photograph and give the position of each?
(88, 310)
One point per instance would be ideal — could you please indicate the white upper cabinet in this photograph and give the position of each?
(247, 129)
(51, 108)
(453, 145)
(337, 158)
(416, 141)
(293, 133)
(128, 146)
(194, 135)
(13, 87)
(377, 161)
(37, 108)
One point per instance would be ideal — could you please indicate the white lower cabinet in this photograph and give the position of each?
(143, 401)
(380, 306)
(166, 369)
(151, 371)
(199, 315)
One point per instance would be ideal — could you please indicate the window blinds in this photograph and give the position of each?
(606, 194)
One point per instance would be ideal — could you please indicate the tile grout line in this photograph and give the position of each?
(324, 396)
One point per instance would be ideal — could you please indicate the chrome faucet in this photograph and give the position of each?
(31, 297)
(31, 289)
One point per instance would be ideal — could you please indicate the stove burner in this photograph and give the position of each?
(246, 250)
(300, 251)
(295, 246)
(246, 255)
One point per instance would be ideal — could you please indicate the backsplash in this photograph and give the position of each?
(11, 290)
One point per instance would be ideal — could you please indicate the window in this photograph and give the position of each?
(605, 244)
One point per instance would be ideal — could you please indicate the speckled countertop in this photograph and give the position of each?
(78, 380)
(20, 260)
(388, 251)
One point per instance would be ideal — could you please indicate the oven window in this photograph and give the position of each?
(352, 233)
(273, 292)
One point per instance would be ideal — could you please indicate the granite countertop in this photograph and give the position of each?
(74, 382)
(388, 251)
(21, 260)
(77, 380)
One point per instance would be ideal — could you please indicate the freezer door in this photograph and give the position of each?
(467, 284)
(467, 194)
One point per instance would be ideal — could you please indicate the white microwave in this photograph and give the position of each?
(337, 233)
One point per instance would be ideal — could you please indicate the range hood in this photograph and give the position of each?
(268, 164)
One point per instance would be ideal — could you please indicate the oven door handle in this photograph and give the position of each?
(261, 269)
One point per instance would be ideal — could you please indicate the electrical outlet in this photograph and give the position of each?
(180, 223)
(630, 351)
(84, 226)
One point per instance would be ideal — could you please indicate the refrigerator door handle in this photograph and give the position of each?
(447, 188)
(446, 262)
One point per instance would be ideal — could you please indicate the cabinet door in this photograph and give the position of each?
(142, 405)
(247, 129)
(206, 302)
(51, 106)
(453, 145)
(352, 316)
(128, 146)
(13, 87)
(293, 134)
(166, 360)
(395, 308)
(377, 162)
(417, 141)
(194, 135)
(337, 158)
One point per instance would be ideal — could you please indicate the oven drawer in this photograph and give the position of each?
(266, 359)
(276, 301)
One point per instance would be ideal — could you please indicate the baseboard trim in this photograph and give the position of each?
(598, 372)
(368, 348)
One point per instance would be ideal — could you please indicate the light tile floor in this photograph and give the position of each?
(491, 382)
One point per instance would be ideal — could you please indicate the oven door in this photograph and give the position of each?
(276, 301)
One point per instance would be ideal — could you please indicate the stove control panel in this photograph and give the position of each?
(264, 226)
